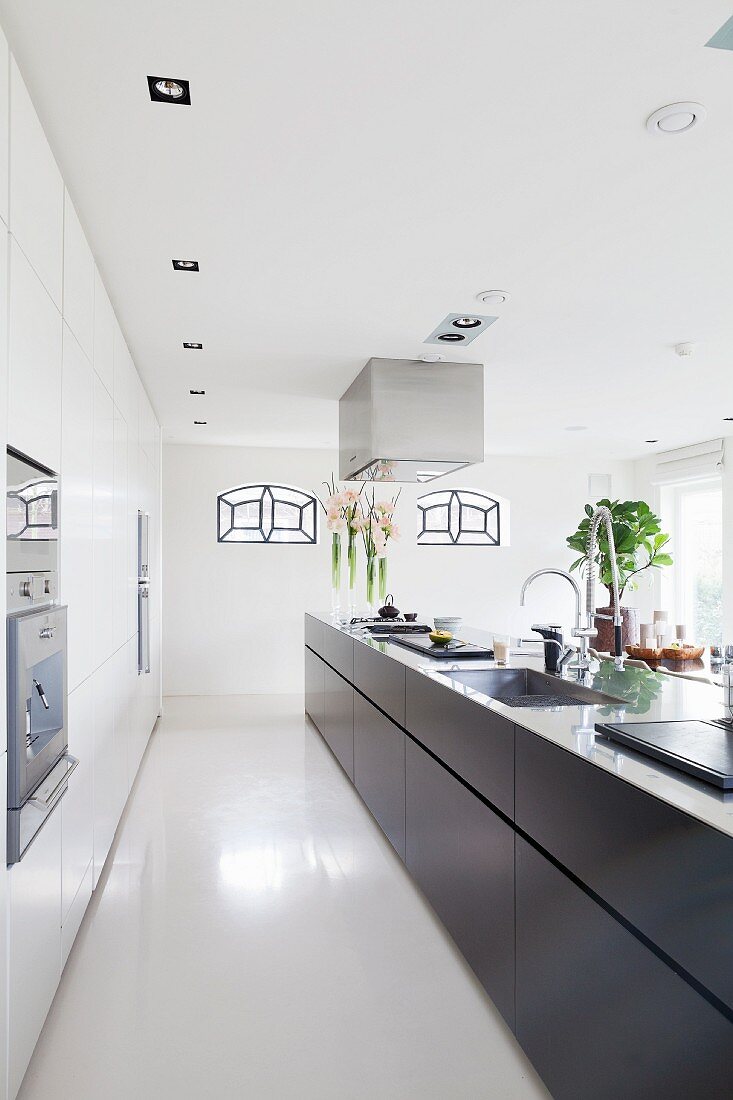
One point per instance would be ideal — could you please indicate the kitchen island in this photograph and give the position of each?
(589, 888)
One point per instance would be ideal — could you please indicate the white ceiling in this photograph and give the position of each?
(350, 172)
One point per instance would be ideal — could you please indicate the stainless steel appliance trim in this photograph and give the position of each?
(143, 632)
(143, 545)
(25, 823)
(45, 803)
(27, 645)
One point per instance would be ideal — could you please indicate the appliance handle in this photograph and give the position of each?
(45, 803)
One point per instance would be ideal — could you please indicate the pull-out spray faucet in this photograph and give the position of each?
(603, 516)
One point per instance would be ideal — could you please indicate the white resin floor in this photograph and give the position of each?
(254, 936)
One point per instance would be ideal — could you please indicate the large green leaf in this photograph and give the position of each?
(637, 537)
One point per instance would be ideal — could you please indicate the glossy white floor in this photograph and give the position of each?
(255, 936)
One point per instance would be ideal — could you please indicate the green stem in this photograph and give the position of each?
(382, 579)
(352, 559)
(336, 560)
(370, 579)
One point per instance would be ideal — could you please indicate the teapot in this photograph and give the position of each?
(389, 611)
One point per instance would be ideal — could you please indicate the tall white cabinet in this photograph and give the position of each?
(71, 398)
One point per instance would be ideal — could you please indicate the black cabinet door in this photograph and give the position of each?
(314, 688)
(378, 676)
(379, 769)
(314, 631)
(475, 742)
(338, 724)
(597, 1012)
(338, 651)
(669, 875)
(461, 854)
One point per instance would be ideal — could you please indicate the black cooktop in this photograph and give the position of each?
(702, 749)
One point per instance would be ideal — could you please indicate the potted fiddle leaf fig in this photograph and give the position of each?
(640, 545)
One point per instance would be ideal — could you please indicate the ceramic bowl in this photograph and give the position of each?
(449, 623)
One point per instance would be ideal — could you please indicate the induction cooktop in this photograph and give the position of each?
(702, 749)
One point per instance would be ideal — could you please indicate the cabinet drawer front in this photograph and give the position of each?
(338, 651)
(379, 770)
(598, 1013)
(381, 679)
(314, 688)
(314, 633)
(476, 743)
(461, 854)
(338, 726)
(669, 875)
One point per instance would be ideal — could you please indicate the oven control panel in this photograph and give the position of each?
(31, 590)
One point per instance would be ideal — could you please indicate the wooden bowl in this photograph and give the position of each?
(684, 653)
(641, 653)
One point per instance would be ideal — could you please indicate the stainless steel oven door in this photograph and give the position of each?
(37, 703)
(24, 824)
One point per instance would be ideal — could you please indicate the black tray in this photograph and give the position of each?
(702, 749)
(454, 651)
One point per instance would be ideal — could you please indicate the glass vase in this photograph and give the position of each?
(335, 575)
(371, 584)
(352, 574)
(382, 580)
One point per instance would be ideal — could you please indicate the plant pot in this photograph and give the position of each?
(629, 629)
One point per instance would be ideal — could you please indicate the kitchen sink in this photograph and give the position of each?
(526, 687)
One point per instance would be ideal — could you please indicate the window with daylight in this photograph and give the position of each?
(692, 588)
(267, 513)
(458, 517)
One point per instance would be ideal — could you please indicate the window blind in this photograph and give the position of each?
(701, 460)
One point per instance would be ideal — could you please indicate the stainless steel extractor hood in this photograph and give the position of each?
(405, 420)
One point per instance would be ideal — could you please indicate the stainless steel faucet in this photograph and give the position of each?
(603, 516)
(600, 516)
(581, 661)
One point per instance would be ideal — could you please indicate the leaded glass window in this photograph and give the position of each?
(267, 513)
(458, 517)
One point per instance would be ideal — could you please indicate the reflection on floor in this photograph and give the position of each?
(253, 935)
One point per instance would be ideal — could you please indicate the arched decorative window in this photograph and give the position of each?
(458, 517)
(267, 513)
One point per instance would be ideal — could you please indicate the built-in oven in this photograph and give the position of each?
(39, 764)
(32, 532)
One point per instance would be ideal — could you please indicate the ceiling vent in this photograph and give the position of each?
(459, 329)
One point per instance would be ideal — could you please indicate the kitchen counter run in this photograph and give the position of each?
(651, 695)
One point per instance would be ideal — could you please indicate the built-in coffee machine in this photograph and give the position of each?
(39, 764)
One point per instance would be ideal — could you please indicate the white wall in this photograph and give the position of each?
(233, 613)
(71, 398)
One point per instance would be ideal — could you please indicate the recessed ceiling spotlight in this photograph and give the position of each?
(197, 393)
(469, 328)
(492, 297)
(200, 422)
(676, 118)
(432, 357)
(577, 428)
(164, 89)
(193, 347)
(185, 265)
